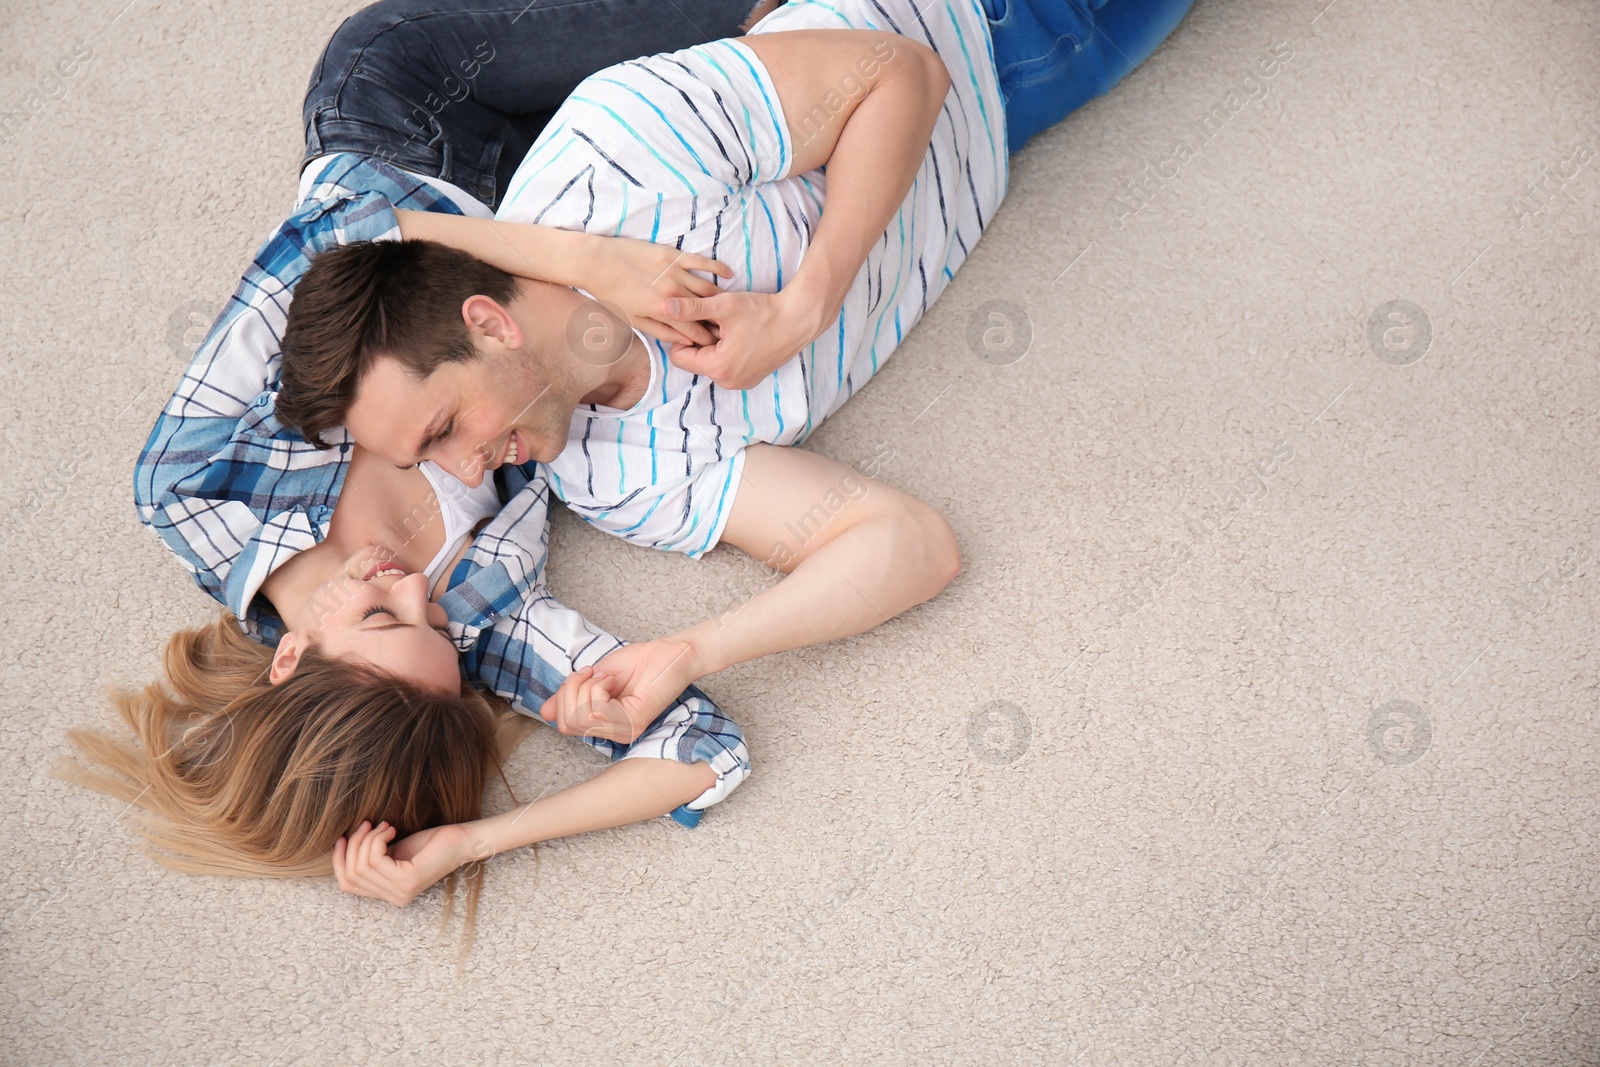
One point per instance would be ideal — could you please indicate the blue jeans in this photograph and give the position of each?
(1054, 56)
(459, 90)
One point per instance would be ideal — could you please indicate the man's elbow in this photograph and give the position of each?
(931, 75)
(939, 557)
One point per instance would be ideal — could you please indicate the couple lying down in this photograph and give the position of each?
(603, 278)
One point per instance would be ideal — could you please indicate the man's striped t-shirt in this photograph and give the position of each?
(691, 148)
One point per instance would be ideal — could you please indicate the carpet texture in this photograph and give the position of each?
(1259, 728)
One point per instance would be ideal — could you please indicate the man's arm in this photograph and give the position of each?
(856, 553)
(864, 103)
(524, 645)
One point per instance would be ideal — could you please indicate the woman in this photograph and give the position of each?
(334, 694)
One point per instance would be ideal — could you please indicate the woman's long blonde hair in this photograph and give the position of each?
(238, 776)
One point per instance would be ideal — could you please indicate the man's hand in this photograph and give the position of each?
(756, 333)
(623, 694)
(583, 707)
(366, 867)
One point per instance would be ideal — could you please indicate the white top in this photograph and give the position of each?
(691, 149)
(461, 507)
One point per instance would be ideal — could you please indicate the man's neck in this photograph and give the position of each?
(626, 379)
(571, 328)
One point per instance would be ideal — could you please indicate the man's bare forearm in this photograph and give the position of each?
(864, 104)
(861, 579)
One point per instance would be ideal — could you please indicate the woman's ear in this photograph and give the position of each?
(287, 657)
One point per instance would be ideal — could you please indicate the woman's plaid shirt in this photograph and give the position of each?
(235, 494)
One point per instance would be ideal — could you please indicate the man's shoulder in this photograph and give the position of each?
(661, 129)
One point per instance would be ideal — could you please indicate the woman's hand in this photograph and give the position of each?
(756, 333)
(366, 867)
(635, 277)
(583, 707)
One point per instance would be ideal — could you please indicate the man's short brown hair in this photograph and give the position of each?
(360, 301)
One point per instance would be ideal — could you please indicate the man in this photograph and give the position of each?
(693, 148)
(410, 102)
(422, 353)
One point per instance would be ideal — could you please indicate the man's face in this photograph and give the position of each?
(468, 417)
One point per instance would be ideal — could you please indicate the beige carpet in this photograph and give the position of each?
(1260, 727)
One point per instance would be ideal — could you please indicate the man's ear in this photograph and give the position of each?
(487, 316)
(287, 657)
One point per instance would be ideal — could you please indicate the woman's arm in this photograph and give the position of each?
(632, 276)
(623, 793)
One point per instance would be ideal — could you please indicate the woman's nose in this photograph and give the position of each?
(412, 592)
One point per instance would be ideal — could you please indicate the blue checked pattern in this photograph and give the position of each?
(234, 494)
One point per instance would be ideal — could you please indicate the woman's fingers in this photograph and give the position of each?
(603, 720)
(372, 846)
(357, 863)
(697, 285)
(378, 877)
(662, 331)
(338, 864)
(591, 722)
(568, 700)
(592, 696)
(354, 877)
(691, 261)
(552, 709)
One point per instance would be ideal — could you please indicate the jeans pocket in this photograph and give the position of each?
(425, 152)
(1035, 41)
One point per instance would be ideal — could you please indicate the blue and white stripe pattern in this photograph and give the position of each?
(234, 494)
(692, 149)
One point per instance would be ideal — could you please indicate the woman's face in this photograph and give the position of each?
(373, 611)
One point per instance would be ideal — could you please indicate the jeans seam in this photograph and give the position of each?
(482, 178)
(1077, 46)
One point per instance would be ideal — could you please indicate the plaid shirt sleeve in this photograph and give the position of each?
(522, 643)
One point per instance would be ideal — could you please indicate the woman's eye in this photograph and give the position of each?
(370, 612)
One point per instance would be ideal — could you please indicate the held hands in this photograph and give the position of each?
(635, 277)
(756, 333)
(620, 696)
(367, 867)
